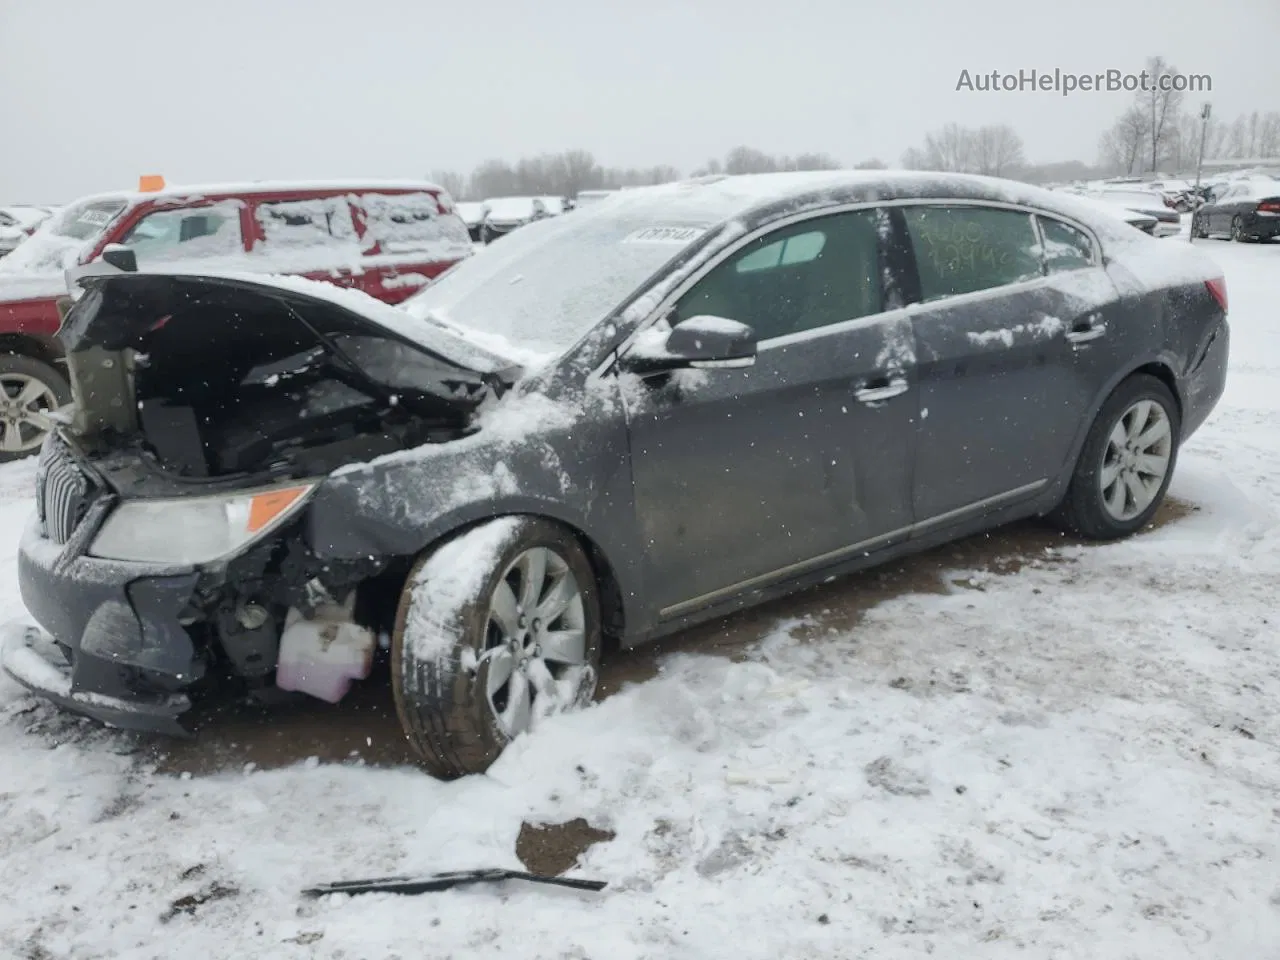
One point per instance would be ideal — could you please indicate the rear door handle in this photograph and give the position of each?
(880, 389)
(1085, 331)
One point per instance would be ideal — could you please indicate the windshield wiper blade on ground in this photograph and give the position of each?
(434, 882)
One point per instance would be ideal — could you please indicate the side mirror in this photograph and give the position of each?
(702, 343)
(120, 257)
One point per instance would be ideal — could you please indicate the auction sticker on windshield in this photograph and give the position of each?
(664, 235)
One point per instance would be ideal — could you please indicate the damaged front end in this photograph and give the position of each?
(169, 554)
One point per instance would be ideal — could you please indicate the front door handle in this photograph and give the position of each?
(1086, 330)
(880, 389)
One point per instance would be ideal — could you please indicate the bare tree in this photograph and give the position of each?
(997, 150)
(874, 163)
(454, 183)
(749, 160)
(1121, 147)
(1160, 106)
(913, 158)
(809, 161)
(951, 149)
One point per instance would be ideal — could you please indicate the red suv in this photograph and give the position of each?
(386, 239)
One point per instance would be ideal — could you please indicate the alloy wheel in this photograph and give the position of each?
(1136, 460)
(25, 405)
(536, 642)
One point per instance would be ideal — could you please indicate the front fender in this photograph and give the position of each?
(577, 473)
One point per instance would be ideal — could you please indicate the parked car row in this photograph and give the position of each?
(488, 220)
(1144, 209)
(1243, 210)
(19, 221)
(606, 428)
(385, 239)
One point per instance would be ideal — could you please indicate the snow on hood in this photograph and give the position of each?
(470, 212)
(510, 208)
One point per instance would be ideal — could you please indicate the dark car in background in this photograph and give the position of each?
(504, 214)
(1244, 210)
(607, 428)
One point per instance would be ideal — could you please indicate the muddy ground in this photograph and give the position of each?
(364, 728)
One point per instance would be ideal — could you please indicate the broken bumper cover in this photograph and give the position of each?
(115, 649)
(30, 657)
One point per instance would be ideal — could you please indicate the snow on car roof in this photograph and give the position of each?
(262, 186)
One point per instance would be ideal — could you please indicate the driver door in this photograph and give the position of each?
(748, 477)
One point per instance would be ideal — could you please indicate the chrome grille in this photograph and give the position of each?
(62, 493)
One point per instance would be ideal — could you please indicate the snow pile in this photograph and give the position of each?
(453, 575)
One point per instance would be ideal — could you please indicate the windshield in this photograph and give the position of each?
(61, 240)
(545, 285)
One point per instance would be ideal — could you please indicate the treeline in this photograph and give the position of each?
(1161, 131)
(566, 174)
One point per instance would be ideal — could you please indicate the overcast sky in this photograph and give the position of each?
(96, 92)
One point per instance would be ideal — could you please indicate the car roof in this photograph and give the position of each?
(262, 186)
(756, 199)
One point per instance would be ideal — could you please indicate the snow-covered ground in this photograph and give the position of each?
(1075, 759)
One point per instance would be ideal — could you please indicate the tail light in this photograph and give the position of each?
(1270, 206)
(1218, 288)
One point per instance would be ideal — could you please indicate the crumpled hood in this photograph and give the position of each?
(118, 308)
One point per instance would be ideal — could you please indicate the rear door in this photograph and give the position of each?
(748, 477)
(1001, 323)
(408, 239)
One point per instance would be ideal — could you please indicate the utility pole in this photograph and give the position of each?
(1204, 128)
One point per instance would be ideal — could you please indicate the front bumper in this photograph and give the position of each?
(30, 656)
(116, 648)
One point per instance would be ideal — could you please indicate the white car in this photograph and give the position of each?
(18, 222)
(1144, 201)
(504, 214)
(472, 215)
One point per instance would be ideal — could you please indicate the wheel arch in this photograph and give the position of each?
(45, 349)
(1158, 366)
(614, 610)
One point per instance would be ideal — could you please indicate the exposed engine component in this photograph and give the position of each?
(322, 654)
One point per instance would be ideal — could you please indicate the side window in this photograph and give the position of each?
(299, 224)
(965, 249)
(1065, 247)
(187, 234)
(801, 277)
(410, 223)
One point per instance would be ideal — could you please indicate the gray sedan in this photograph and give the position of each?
(678, 402)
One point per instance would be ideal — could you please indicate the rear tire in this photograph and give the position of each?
(1126, 464)
(30, 390)
(1198, 231)
(1237, 229)
(497, 628)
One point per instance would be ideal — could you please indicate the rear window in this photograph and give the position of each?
(306, 223)
(88, 220)
(412, 223)
(965, 249)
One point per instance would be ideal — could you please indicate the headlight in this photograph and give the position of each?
(193, 530)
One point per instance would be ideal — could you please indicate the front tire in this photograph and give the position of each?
(496, 629)
(1126, 463)
(29, 392)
